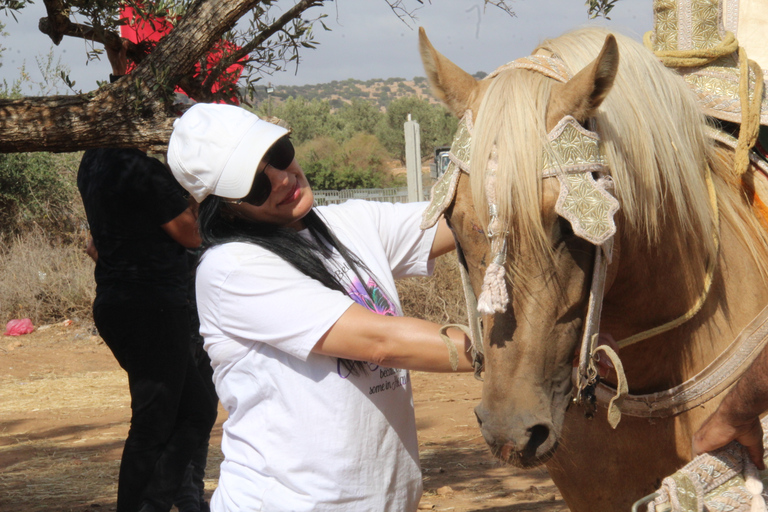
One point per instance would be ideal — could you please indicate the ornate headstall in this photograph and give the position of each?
(572, 155)
(444, 191)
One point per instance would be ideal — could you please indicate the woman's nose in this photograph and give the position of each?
(277, 177)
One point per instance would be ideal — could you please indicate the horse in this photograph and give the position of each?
(686, 244)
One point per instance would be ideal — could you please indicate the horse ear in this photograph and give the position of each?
(450, 84)
(583, 93)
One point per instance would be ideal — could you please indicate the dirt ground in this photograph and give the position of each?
(64, 411)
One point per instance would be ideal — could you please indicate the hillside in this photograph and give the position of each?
(381, 92)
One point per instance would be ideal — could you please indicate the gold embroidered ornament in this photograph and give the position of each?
(722, 480)
(573, 156)
(698, 38)
(443, 192)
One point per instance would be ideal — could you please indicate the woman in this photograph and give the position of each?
(297, 309)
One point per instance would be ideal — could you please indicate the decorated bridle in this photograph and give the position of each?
(572, 156)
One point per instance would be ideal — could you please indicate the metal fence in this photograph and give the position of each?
(384, 195)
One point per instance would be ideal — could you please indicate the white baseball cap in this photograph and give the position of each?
(216, 149)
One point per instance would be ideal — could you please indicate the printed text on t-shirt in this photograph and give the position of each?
(397, 380)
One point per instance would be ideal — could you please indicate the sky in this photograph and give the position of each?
(366, 41)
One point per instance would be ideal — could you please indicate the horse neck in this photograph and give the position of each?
(651, 288)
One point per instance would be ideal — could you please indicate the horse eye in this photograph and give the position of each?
(565, 228)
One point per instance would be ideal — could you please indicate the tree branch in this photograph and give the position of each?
(108, 38)
(135, 111)
(58, 20)
(228, 60)
(121, 114)
(138, 110)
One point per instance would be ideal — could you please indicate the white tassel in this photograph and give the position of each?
(754, 485)
(493, 297)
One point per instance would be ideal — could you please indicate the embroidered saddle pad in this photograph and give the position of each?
(713, 482)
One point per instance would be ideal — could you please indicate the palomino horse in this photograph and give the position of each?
(687, 245)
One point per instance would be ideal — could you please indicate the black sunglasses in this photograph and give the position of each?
(279, 156)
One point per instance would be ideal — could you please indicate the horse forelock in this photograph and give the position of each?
(511, 118)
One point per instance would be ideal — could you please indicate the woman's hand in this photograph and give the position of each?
(737, 418)
(91, 251)
(718, 431)
(118, 58)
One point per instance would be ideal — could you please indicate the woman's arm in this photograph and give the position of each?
(183, 229)
(443, 241)
(396, 342)
(91, 250)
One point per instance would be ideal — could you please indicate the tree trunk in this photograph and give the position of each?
(110, 117)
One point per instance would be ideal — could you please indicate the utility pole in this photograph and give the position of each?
(413, 160)
(270, 90)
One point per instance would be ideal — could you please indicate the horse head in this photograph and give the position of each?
(529, 348)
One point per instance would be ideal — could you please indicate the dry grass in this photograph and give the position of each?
(49, 282)
(52, 392)
(439, 298)
(44, 281)
(48, 478)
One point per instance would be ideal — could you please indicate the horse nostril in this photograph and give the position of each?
(538, 436)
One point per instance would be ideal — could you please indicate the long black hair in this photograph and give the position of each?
(305, 254)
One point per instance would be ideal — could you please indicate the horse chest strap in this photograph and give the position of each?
(718, 376)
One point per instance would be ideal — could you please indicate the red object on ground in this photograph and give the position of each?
(138, 30)
(19, 327)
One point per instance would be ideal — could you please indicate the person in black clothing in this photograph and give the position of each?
(191, 495)
(141, 226)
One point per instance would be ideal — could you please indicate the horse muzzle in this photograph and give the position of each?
(524, 441)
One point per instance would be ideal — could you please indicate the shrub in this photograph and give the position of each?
(39, 189)
(308, 119)
(44, 272)
(436, 123)
(45, 281)
(358, 116)
(358, 163)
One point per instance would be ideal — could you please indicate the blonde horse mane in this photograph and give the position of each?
(653, 136)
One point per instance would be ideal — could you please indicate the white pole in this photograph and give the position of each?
(413, 160)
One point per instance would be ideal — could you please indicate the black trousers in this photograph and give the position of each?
(191, 495)
(172, 413)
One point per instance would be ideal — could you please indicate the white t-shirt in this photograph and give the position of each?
(303, 434)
